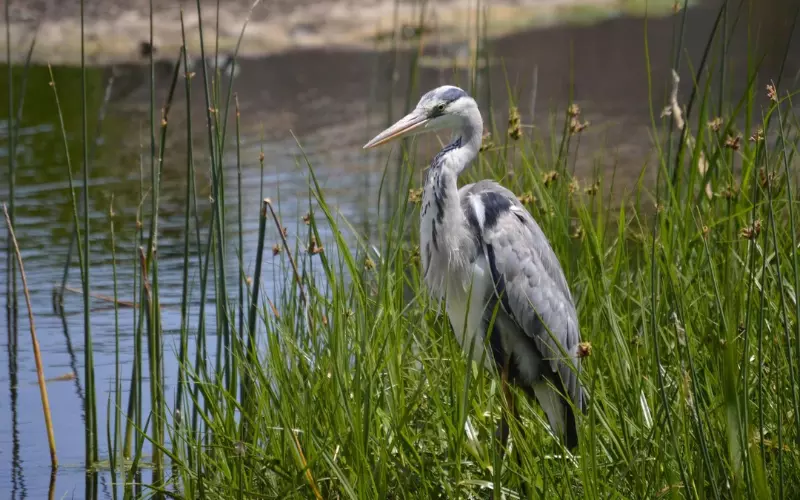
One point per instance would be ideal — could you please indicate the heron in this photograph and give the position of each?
(484, 254)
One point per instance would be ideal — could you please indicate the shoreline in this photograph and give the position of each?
(274, 29)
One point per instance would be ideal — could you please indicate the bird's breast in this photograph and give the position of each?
(466, 306)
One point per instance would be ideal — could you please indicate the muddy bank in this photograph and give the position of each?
(117, 31)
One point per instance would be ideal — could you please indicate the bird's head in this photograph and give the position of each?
(441, 108)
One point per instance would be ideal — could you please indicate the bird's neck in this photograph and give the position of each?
(440, 197)
(442, 227)
(463, 146)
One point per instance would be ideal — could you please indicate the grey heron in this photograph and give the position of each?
(485, 255)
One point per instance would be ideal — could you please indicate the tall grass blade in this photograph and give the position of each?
(91, 406)
(11, 263)
(252, 327)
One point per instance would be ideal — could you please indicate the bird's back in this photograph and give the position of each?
(549, 260)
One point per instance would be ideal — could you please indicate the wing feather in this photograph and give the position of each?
(534, 289)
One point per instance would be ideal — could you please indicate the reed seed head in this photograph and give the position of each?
(486, 142)
(573, 111)
(526, 198)
(550, 177)
(514, 123)
(574, 186)
(415, 255)
(733, 142)
(313, 247)
(730, 192)
(576, 126)
(767, 179)
(751, 232)
(772, 92)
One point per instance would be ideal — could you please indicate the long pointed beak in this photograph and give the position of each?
(407, 125)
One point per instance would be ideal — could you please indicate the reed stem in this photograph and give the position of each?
(48, 421)
(11, 264)
(239, 338)
(186, 236)
(91, 407)
(113, 443)
(251, 355)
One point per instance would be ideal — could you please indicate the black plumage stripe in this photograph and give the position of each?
(491, 317)
(438, 180)
(494, 205)
(453, 94)
(437, 160)
(498, 280)
(439, 197)
(495, 340)
(571, 429)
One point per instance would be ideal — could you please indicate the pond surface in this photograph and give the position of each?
(332, 103)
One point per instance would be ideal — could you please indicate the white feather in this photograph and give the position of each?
(465, 308)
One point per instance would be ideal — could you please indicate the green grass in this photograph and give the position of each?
(348, 383)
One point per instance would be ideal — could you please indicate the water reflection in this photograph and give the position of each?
(17, 474)
(73, 363)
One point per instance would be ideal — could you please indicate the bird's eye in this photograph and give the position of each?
(440, 107)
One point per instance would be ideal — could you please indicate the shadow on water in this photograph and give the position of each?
(327, 99)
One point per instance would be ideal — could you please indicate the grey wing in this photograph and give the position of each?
(533, 286)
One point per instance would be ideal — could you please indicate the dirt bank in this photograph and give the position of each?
(117, 30)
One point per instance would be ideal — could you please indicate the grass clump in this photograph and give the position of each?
(686, 296)
(360, 390)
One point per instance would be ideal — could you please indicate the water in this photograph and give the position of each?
(328, 101)
(44, 221)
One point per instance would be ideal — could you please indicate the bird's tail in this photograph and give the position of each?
(570, 428)
(559, 413)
